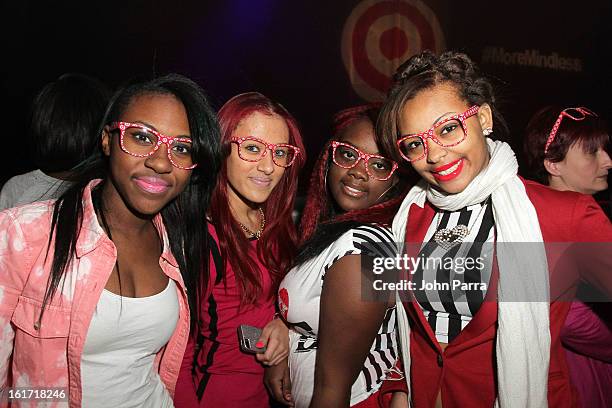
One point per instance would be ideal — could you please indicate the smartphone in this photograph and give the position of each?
(247, 337)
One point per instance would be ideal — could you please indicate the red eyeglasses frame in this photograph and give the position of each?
(565, 113)
(161, 139)
(269, 146)
(429, 134)
(362, 156)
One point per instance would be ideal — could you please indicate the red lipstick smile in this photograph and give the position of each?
(448, 171)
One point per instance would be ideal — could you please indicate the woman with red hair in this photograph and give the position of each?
(341, 347)
(566, 149)
(255, 241)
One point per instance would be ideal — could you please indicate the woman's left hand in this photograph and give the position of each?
(275, 337)
(278, 383)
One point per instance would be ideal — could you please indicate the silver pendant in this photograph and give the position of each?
(448, 238)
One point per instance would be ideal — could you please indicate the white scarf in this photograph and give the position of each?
(523, 334)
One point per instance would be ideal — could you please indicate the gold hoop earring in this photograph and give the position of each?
(325, 178)
(385, 192)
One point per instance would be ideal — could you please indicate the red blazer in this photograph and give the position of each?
(465, 372)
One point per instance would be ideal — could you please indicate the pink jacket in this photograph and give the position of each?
(49, 355)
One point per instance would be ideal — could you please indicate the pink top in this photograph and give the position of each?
(587, 340)
(49, 355)
(220, 316)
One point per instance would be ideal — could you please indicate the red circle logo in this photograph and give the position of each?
(283, 302)
(379, 35)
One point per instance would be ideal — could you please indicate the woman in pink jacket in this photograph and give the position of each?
(96, 287)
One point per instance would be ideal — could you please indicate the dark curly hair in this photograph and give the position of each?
(591, 134)
(424, 71)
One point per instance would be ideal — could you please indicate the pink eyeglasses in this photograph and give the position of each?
(139, 140)
(253, 149)
(348, 156)
(448, 132)
(573, 113)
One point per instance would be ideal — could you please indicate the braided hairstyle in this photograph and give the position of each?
(322, 221)
(424, 71)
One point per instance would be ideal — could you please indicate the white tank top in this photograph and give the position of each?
(125, 334)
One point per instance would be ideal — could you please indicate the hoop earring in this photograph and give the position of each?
(325, 178)
(385, 192)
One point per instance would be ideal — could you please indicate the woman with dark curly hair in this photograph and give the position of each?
(487, 334)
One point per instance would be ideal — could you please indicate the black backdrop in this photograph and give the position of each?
(291, 51)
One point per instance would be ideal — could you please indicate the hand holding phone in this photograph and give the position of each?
(248, 336)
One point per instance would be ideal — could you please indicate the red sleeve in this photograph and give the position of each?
(394, 383)
(593, 232)
(185, 393)
(590, 221)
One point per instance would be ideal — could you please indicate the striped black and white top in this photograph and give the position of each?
(448, 287)
(299, 302)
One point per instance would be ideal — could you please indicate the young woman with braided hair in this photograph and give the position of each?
(341, 346)
(322, 207)
(494, 339)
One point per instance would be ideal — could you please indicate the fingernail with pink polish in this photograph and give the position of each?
(259, 344)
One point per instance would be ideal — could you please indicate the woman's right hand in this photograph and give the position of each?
(275, 338)
(278, 382)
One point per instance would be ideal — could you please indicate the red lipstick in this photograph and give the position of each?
(450, 170)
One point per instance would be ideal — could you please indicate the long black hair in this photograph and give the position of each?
(63, 121)
(183, 217)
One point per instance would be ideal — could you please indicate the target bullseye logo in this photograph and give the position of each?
(379, 35)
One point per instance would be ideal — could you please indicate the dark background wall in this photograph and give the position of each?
(291, 51)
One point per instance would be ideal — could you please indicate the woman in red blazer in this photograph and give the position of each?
(482, 333)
